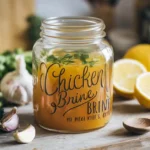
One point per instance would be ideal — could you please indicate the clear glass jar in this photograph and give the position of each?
(72, 70)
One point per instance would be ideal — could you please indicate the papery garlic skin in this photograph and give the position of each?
(11, 124)
(17, 86)
(25, 136)
(10, 121)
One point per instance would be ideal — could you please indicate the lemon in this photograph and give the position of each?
(141, 53)
(126, 72)
(142, 89)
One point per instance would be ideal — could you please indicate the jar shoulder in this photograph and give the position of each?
(106, 48)
(101, 46)
(38, 42)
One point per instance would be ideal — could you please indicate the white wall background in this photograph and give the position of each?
(49, 8)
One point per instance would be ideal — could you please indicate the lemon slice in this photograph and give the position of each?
(142, 89)
(126, 72)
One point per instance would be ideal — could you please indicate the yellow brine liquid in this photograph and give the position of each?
(73, 92)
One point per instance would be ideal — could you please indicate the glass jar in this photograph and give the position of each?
(72, 70)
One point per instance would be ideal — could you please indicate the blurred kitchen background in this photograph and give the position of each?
(127, 21)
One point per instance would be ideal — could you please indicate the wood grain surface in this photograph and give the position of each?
(132, 144)
(13, 14)
(111, 137)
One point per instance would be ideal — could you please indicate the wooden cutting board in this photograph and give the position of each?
(13, 25)
(111, 137)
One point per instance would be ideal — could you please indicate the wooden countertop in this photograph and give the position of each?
(111, 137)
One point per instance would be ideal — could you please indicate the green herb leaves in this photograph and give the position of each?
(69, 58)
(83, 57)
(66, 59)
(8, 63)
(52, 58)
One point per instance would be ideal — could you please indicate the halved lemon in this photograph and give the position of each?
(142, 89)
(126, 72)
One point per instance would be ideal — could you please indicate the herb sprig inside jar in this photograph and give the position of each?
(72, 75)
(82, 57)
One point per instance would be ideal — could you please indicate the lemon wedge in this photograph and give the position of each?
(142, 89)
(25, 136)
(126, 72)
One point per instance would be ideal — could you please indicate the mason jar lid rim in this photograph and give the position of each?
(87, 22)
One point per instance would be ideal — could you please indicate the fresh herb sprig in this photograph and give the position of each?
(83, 57)
(8, 61)
(69, 59)
(66, 59)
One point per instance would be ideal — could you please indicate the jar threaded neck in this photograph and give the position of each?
(73, 28)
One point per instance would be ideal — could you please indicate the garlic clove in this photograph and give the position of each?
(10, 121)
(20, 95)
(25, 136)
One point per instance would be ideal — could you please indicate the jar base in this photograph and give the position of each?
(66, 131)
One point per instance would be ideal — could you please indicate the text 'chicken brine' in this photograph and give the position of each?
(72, 80)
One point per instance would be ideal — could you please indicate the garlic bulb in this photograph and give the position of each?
(10, 121)
(17, 86)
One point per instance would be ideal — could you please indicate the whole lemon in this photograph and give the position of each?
(140, 53)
